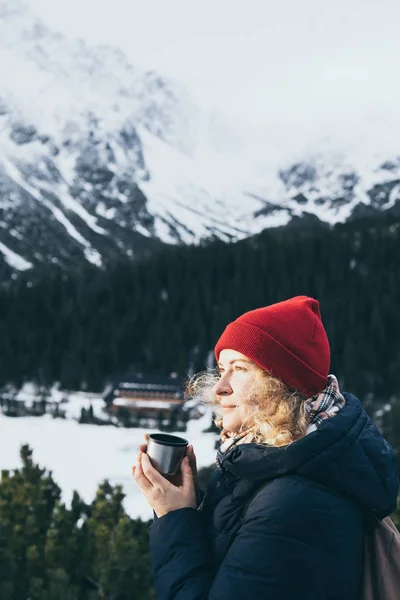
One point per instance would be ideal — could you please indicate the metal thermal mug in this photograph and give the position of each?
(166, 452)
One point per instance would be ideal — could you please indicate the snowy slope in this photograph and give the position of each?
(82, 456)
(100, 159)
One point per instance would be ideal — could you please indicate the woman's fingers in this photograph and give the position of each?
(192, 459)
(150, 472)
(146, 470)
(143, 447)
(187, 473)
(190, 451)
(141, 479)
(162, 495)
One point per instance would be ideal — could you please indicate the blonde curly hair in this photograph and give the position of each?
(277, 416)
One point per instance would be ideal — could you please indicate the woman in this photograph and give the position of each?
(300, 467)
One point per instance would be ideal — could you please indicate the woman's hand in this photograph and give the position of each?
(176, 479)
(162, 495)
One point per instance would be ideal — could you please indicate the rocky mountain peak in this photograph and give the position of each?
(100, 159)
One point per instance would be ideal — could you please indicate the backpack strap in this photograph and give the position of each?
(371, 522)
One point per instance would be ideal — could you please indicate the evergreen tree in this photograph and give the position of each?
(51, 552)
(162, 314)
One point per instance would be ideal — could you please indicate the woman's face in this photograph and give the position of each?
(238, 373)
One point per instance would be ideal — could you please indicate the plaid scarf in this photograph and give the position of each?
(325, 404)
(319, 407)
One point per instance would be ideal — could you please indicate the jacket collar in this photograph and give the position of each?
(345, 452)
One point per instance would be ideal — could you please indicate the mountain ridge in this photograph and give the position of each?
(100, 160)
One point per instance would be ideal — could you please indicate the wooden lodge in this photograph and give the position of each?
(147, 398)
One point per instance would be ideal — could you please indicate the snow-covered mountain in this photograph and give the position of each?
(99, 159)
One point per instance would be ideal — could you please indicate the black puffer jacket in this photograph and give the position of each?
(302, 534)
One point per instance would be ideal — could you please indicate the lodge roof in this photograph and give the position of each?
(145, 386)
(150, 383)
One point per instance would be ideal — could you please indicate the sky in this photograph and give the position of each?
(288, 69)
(250, 53)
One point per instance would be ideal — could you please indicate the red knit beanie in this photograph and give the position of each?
(287, 339)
